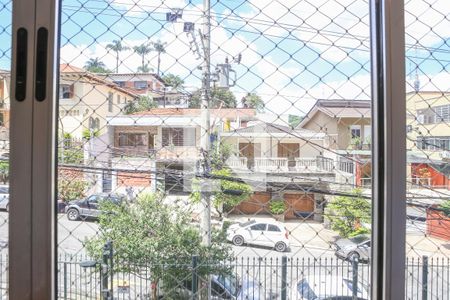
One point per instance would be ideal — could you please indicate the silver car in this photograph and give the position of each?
(357, 247)
(4, 197)
(329, 287)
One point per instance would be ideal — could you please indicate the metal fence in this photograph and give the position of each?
(259, 278)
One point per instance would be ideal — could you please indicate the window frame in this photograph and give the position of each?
(32, 269)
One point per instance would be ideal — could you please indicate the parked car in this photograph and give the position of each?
(89, 207)
(265, 233)
(355, 247)
(328, 287)
(4, 197)
(227, 287)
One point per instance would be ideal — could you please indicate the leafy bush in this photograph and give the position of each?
(347, 213)
(229, 193)
(87, 134)
(71, 189)
(445, 208)
(277, 207)
(71, 156)
(4, 171)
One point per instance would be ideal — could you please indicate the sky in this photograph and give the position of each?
(293, 51)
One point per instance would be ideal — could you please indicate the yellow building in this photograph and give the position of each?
(429, 123)
(86, 100)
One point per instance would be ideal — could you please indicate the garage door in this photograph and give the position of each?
(299, 205)
(256, 204)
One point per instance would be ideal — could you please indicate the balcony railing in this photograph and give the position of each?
(237, 163)
(305, 163)
(271, 164)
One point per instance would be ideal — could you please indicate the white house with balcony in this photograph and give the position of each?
(164, 141)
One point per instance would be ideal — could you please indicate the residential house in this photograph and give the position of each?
(346, 122)
(162, 142)
(429, 137)
(85, 101)
(151, 85)
(292, 163)
(347, 125)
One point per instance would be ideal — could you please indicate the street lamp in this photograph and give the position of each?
(106, 270)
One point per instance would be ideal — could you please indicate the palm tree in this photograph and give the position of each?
(143, 50)
(144, 69)
(117, 47)
(159, 47)
(95, 65)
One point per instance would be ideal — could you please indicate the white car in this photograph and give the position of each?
(4, 197)
(262, 233)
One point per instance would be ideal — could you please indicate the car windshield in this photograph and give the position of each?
(359, 239)
(230, 283)
(247, 223)
(4, 190)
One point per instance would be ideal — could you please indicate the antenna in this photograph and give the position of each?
(416, 76)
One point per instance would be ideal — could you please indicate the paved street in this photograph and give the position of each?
(308, 239)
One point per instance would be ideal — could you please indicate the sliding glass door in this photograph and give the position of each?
(220, 150)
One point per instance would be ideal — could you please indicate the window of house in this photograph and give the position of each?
(442, 113)
(178, 137)
(140, 85)
(120, 83)
(110, 102)
(118, 99)
(355, 131)
(131, 139)
(66, 91)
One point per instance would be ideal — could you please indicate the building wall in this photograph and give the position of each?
(422, 100)
(338, 130)
(438, 179)
(91, 101)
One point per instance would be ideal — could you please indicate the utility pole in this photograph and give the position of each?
(205, 130)
(205, 115)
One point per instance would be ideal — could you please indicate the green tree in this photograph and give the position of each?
(117, 47)
(71, 189)
(159, 47)
(173, 80)
(445, 208)
(72, 156)
(144, 69)
(143, 50)
(143, 103)
(95, 65)
(87, 134)
(219, 98)
(157, 237)
(294, 120)
(4, 171)
(229, 192)
(347, 214)
(252, 100)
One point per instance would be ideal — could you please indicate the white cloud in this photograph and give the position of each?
(330, 27)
